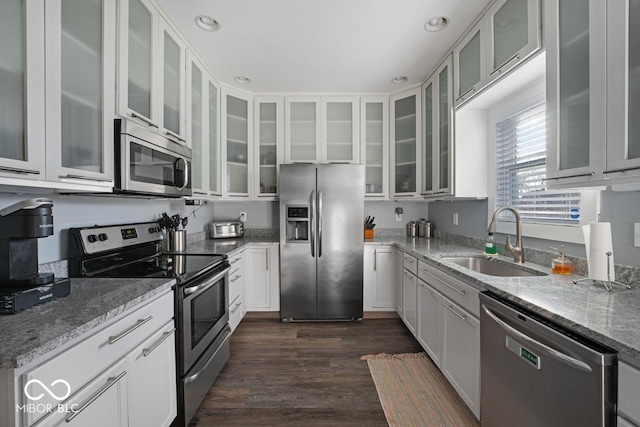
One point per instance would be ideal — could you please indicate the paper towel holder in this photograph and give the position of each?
(607, 283)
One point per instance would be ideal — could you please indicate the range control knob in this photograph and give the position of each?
(92, 238)
(102, 237)
(152, 230)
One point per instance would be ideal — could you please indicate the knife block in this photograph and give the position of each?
(368, 234)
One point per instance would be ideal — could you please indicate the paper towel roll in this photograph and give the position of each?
(598, 241)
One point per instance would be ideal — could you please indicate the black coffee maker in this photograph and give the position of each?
(21, 286)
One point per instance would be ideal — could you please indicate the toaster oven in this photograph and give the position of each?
(224, 230)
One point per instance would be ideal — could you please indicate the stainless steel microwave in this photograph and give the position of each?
(148, 163)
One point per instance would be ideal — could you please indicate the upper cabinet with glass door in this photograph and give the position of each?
(374, 128)
(470, 63)
(22, 77)
(405, 144)
(197, 124)
(172, 90)
(80, 101)
(237, 113)
(340, 142)
(575, 39)
(212, 137)
(302, 135)
(268, 144)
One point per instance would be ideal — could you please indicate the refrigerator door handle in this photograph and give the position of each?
(319, 223)
(312, 202)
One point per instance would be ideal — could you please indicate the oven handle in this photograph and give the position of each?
(203, 286)
(195, 376)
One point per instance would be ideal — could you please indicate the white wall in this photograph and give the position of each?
(80, 211)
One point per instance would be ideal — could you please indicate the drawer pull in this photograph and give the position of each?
(234, 309)
(464, 318)
(111, 381)
(143, 118)
(443, 282)
(424, 288)
(501, 66)
(19, 170)
(140, 322)
(147, 351)
(173, 135)
(235, 278)
(233, 261)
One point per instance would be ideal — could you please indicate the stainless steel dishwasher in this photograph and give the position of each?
(536, 373)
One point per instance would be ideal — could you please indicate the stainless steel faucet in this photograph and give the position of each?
(517, 251)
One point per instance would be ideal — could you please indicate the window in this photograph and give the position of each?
(521, 169)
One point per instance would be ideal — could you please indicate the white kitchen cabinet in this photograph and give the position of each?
(80, 100)
(513, 34)
(22, 84)
(621, 422)
(237, 148)
(172, 90)
(237, 304)
(628, 392)
(469, 60)
(405, 144)
(429, 323)
(461, 353)
(379, 278)
(269, 144)
(575, 39)
(262, 278)
(321, 130)
(374, 131)
(398, 282)
(409, 304)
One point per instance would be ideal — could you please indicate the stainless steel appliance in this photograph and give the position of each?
(202, 297)
(149, 163)
(537, 373)
(321, 243)
(225, 230)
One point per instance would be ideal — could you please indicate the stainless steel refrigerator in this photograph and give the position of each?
(321, 241)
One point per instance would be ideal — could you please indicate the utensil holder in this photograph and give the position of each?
(368, 234)
(177, 240)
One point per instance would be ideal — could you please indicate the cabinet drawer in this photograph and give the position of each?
(628, 392)
(236, 261)
(79, 364)
(236, 284)
(410, 263)
(456, 290)
(235, 313)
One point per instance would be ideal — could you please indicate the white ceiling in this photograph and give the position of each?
(350, 46)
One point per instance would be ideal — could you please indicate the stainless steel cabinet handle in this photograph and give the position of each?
(143, 118)
(375, 260)
(165, 335)
(234, 309)
(89, 178)
(19, 170)
(571, 176)
(174, 135)
(444, 283)
(568, 360)
(319, 224)
(111, 381)
(233, 261)
(464, 318)
(237, 276)
(621, 170)
(499, 68)
(266, 252)
(473, 89)
(312, 202)
(424, 288)
(123, 334)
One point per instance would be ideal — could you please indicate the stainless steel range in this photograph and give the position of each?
(202, 296)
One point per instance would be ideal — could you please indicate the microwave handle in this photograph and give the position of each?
(186, 172)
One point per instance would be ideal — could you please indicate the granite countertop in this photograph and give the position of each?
(41, 329)
(226, 246)
(612, 318)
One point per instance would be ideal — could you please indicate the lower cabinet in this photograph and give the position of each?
(236, 290)
(409, 304)
(263, 277)
(429, 333)
(379, 278)
(628, 392)
(398, 282)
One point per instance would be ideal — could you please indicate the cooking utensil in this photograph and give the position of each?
(185, 221)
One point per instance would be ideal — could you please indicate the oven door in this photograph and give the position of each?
(158, 167)
(205, 313)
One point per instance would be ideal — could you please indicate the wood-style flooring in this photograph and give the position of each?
(302, 374)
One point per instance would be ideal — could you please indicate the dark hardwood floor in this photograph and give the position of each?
(302, 374)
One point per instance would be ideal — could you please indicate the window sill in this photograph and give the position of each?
(561, 233)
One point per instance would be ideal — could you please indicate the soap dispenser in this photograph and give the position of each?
(490, 246)
(561, 264)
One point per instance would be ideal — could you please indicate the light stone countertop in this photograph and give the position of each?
(32, 333)
(611, 318)
(226, 246)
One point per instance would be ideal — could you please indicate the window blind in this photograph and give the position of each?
(521, 169)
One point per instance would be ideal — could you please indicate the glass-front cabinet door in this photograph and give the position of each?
(302, 135)
(405, 150)
(172, 53)
(340, 139)
(470, 63)
(138, 75)
(513, 34)
(213, 137)
(268, 144)
(623, 74)
(22, 114)
(374, 129)
(80, 53)
(197, 122)
(575, 37)
(238, 116)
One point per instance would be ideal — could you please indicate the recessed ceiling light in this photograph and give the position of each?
(242, 80)
(436, 23)
(207, 23)
(399, 80)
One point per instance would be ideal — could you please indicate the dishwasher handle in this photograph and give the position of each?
(564, 358)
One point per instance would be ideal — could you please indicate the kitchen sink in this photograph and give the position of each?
(492, 266)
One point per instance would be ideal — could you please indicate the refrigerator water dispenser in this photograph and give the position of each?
(297, 223)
